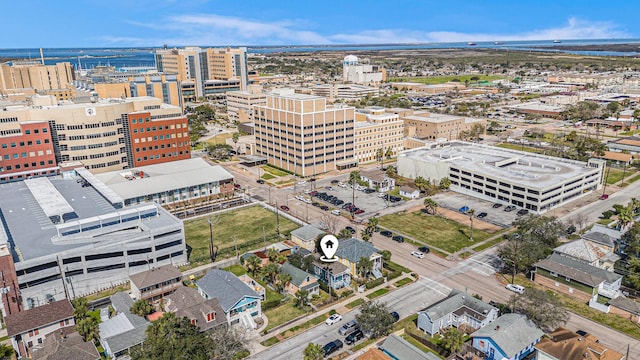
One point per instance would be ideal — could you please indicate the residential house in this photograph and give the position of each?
(203, 313)
(564, 344)
(509, 337)
(378, 180)
(124, 330)
(259, 289)
(239, 301)
(589, 252)
(456, 309)
(300, 279)
(155, 283)
(373, 354)
(409, 192)
(66, 344)
(626, 307)
(335, 274)
(576, 278)
(306, 236)
(398, 348)
(28, 328)
(605, 236)
(352, 250)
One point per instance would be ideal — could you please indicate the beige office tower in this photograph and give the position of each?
(302, 134)
(378, 133)
(240, 104)
(54, 80)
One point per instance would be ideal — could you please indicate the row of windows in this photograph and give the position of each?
(161, 146)
(36, 131)
(24, 154)
(158, 156)
(22, 143)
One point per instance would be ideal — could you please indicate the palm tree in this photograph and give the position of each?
(272, 253)
(253, 264)
(344, 234)
(313, 352)
(389, 153)
(391, 172)
(80, 308)
(421, 183)
(430, 205)
(283, 281)
(471, 212)
(380, 157)
(372, 224)
(453, 340)
(271, 271)
(625, 216)
(302, 298)
(364, 267)
(635, 204)
(88, 328)
(141, 308)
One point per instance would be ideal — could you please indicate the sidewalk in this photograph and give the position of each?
(340, 307)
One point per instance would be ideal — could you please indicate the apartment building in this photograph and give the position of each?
(355, 72)
(587, 78)
(431, 126)
(45, 79)
(240, 104)
(163, 87)
(535, 182)
(101, 135)
(377, 133)
(302, 134)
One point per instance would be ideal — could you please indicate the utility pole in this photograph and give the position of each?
(277, 221)
(235, 244)
(264, 239)
(211, 254)
(606, 178)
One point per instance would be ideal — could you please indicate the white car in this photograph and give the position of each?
(302, 183)
(381, 195)
(515, 288)
(418, 254)
(335, 212)
(342, 185)
(300, 197)
(333, 319)
(307, 200)
(308, 191)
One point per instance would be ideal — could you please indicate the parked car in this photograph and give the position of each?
(336, 212)
(509, 208)
(348, 327)
(418, 254)
(260, 181)
(237, 186)
(354, 337)
(335, 182)
(604, 197)
(381, 195)
(515, 288)
(333, 319)
(352, 230)
(424, 249)
(302, 183)
(346, 205)
(284, 207)
(394, 198)
(496, 206)
(395, 315)
(398, 238)
(581, 332)
(358, 212)
(341, 184)
(329, 188)
(482, 215)
(523, 212)
(464, 209)
(386, 233)
(324, 207)
(332, 347)
(369, 191)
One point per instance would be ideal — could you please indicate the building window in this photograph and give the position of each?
(211, 316)
(194, 321)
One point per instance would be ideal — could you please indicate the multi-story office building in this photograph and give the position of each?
(353, 71)
(377, 132)
(535, 182)
(348, 92)
(431, 126)
(163, 87)
(302, 134)
(101, 134)
(240, 104)
(45, 79)
(71, 237)
(26, 149)
(196, 66)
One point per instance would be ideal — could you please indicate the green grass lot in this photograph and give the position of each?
(430, 80)
(377, 293)
(440, 232)
(630, 180)
(355, 303)
(246, 224)
(273, 171)
(267, 176)
(220, 138)
(283, 313)
(403, 282)
(615, 175)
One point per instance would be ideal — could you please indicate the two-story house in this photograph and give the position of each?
(300, 279)
(124, 330)
(509, 337)
(352, 250)
(203, 313)
(28, 328)
(589, 252)
(564, 344)
(378, 180)
(335, 274)
(306, 237)
(238, 300)
(456, 309)
(65, 344)
(155, 283)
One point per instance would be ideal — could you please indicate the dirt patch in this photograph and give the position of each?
(462, 219)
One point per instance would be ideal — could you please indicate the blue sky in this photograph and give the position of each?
(123, 23)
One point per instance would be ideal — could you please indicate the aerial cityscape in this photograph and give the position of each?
(346, 180)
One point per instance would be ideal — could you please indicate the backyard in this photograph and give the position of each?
(434, 230)
(248, 234)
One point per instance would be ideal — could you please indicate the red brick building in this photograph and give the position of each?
(9, 292)
(26, 150)
(154, 141)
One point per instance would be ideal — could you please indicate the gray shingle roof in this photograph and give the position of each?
(123, 331)
(623, 303)
(71, 348)
(155, 276)
(187, 302)
(226, 287)
(121, 301)
(354, 249)
(511, 332)
(401, 349)
(307, 233)
(457, 300)
(582, 249)
(298, 276)
(577, 270)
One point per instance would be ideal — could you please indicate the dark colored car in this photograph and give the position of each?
(386, 233)
(523, 212)
(351, 230)
(260, 181)
(424, 249)
(313, 193)
(339, 202)
(359, 211)
(237, 186)
(581, 333)
(394, 198)
(284, 207)
(346, 205)
(482, 215)
(332, 347)
(395, 315)
(324, 207)
(335, 182)
(354, 337)
(398, 238)
(496, 205)
(369, 191)
(316, 204)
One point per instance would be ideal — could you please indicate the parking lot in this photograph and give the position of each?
(455, 201)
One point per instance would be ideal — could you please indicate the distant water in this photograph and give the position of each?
(131, 57)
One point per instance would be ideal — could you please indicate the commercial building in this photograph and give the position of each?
(304, 135)
(163, 87)
(530, 181)
(184, 180)
(202, 65)
(240, 104)
(105, 135)
(348, 92)
(72, 236)
(378, 133)
(55, 80)
(355, 72)
(431, 126)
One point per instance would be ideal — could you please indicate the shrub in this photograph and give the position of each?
(373, 283)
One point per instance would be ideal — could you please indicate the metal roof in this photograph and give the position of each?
(103, 189)
(48, 197)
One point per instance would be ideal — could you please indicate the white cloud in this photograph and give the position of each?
(212, 29)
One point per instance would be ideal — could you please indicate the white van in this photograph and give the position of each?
(336, 212)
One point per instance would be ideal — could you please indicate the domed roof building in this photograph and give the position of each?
(354, 72)
(350, 60)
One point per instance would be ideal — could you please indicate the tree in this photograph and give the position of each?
(227, 342)
(545, 229)
(331, 222)
(283, 280)
(421, 183)
(372, 224)
(354, 177)
(253, 264)
(219, 151)
(302, 298)
(235, 137)
(88, 328)
(344, 234)
(270, 271)
(380, 157)
(272, 253)
(625, 216)
(375, 319)
(445, 183)
(141, 307)
(6, 351)
(386, 255)
(430, 205)
(171, 337)
(364, 266)
(391, 172)
(313, 352)
(80, 308)
(545, 309)
(453, 340)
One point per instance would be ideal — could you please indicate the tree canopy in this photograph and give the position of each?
(375, 319)
(545, 309)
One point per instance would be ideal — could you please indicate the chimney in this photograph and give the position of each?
(497, 327)
(63, 336)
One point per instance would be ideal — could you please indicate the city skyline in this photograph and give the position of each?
(215, 23)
